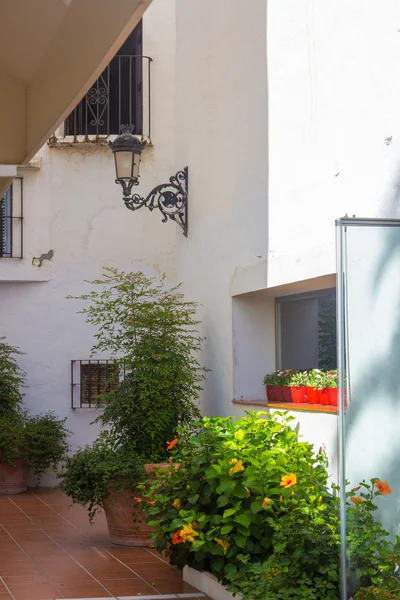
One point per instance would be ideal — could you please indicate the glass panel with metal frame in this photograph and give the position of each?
(368, 299)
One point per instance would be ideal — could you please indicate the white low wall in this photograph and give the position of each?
(208, 584)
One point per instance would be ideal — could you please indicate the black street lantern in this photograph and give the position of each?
(170, 198)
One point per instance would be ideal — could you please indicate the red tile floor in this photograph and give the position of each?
(49, 551)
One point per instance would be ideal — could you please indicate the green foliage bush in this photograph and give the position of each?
(150, 333)
(251, 503)
(89, 474)
(11, 378)
(39, 440)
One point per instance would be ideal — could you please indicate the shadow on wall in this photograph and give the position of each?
(373, 418)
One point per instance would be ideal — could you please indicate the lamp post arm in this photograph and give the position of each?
(171, 199)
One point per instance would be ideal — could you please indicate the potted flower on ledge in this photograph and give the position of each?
(150, 331)
(278, 386)
(298, 383)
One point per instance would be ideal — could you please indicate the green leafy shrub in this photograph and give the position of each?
(151, 333)
(251, 503)
(373, 556)
(39, 440)
(93, 470)
(44, 442)
(12, 427)
(11, 378)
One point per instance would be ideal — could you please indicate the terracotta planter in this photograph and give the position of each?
(271, 393)
(280, 394)
(299, 394)
(126, 523)
(312, 395)
(13, 479)
(287, 392)
(333, 396)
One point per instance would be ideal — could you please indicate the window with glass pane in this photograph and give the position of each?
(6, 224)
(306, 328)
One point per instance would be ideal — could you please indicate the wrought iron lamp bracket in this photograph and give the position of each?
(171, 199)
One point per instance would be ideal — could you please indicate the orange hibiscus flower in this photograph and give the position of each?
(176, 538)
(383, 487)
(288, 480)
(171, 444)
(356, 500)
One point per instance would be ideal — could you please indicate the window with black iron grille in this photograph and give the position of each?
(117, 95)
(91, 379)
(11, 219)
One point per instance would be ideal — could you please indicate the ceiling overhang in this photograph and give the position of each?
(35, 98)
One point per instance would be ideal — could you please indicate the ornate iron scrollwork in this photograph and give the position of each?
(171, 199)
(97, 100)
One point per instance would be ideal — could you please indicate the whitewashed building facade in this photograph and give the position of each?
(286, 114)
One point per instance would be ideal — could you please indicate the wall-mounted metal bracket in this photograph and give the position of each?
(171, 199)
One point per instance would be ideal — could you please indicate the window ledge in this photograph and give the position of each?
(318, 408)
(83, 141)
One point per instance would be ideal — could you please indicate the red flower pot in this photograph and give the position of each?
(287, 392)
(299, 394)
(312, 395)
(324, 396)
(271, 393)
(279, 393)
(333, 396)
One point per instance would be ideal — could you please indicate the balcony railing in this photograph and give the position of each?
(120, 95)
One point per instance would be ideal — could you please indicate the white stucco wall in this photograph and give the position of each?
(286, 113)
(289, 118)
(222, 106)
(334, 126)
(73, 206)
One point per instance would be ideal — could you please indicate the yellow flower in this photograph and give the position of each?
(187, 533)
(288, 480)
(272, 573)
(237, 466)
(176, 504)
(225, 545)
